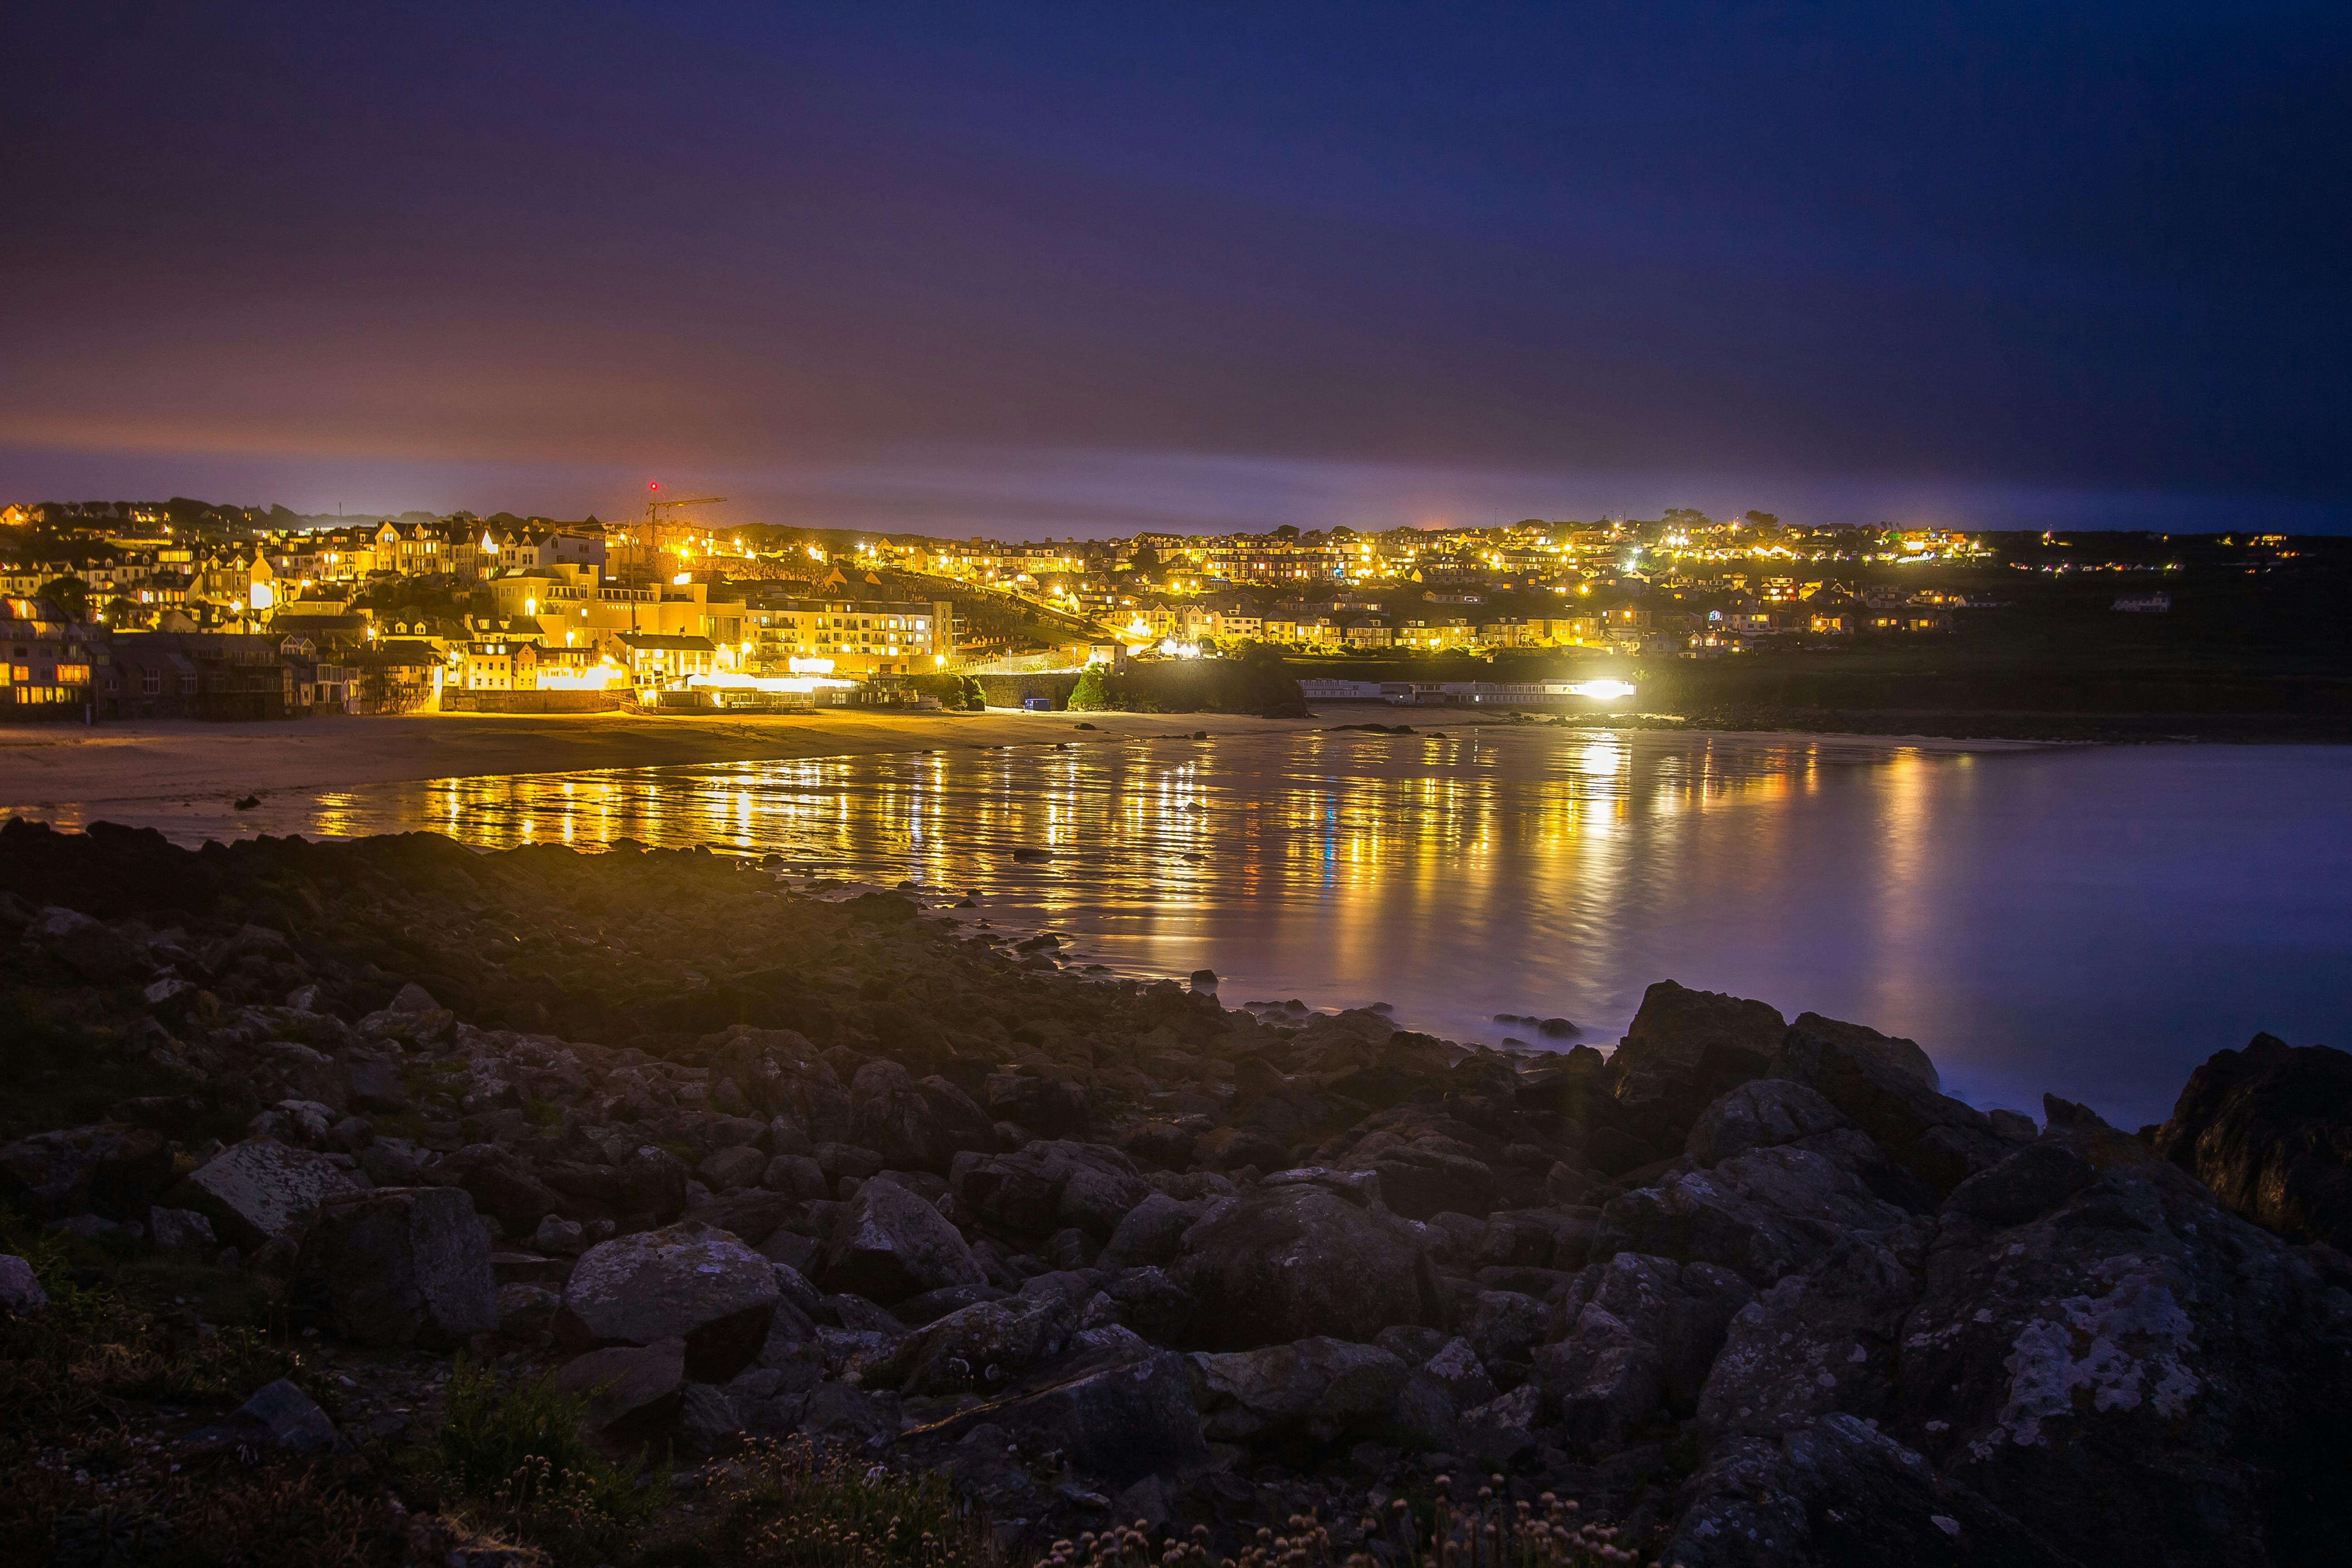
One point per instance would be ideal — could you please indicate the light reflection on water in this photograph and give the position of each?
(2092, 922)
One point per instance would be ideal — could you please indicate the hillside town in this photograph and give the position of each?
(182, 610)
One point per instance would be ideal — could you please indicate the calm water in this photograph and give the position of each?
(2089, 922)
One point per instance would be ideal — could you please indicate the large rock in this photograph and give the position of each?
(1046, 1186)
(1762, 1215)
(504, 1187)
(261, 1189)
(633, 1393)
(1684, 1050)
(2138, 1345)
(1941, 1141)
(2268, 1129)
(687, 1282)
(1280, 1263)
(1308, 1393)
(1836, 1493)
(1764, 1114)
(20, 1288)
(980, 1349)
(91, 949)
(107, 1169)
(781, 1074)
(397, 1265)
(1903, 1056)
(1111, 1413)
(914, 1125)
(1816, 1343)
(887, 1244)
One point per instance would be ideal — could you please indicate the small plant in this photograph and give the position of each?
(809, 1505)
(522, 1457)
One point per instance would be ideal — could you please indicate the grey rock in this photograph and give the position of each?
(1502, 1429)
(688, 1282)
(1050, 1185)
(260, 1188)
(181, 1230)
(291, 1418)
(1940, 1140)
(1836, 1492)
(526, 1311)
(1903, 1056)
(1315, 1391)
(1815, 1344)
(888, 1244)
(397, 1265)
(1763, 1114)
(83, 945)
(1506, 1326)
(2027, 1184)
(107, 1168)
(1762, 1214)
(707, 1426)
(732, 1168)
(20, 1288)
(634, 1393)
(1151, 1232)
(1293, 1263)
(851, 1415)
(982, 1348)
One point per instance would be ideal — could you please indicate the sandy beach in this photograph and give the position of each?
(47, 769)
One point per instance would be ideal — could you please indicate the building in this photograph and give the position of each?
(786, 634)
(53, 664)
(656, 661)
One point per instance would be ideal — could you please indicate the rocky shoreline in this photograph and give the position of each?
(736, 1162)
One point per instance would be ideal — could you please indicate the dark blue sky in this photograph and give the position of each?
(1088, 269)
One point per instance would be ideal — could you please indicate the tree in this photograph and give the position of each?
(1145, 560)
(1091, 695)
(70, 595)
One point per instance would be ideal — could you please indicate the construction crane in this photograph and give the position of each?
(654, 504)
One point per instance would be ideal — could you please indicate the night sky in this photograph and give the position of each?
(1084, 270)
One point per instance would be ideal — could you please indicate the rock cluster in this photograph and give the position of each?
(737, 1160)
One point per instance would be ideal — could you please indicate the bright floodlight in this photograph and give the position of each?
(1606, 690)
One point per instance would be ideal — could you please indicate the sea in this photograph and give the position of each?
(2089, 921)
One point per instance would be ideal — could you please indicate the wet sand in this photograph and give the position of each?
(46, 767)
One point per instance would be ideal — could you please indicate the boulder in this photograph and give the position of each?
(887, 1244)
(2026, 1186)
(1764, 1114)
(109, 1169)
(1762, 1214)
(397, 1265)
(1232, 1148)
(980, 1349)
(84, 946)
(651, 1180)
(1500, 1430)
(20, 1288)
(527, 1311)
(1939, 1140)
(1147, 1302)
(1047, 1186)
(1835, 1492)
(914, 1125)
(688, 1282)
(1308, 1393)
(1109, 1412)
(781, 1073)
(502, 1186)
(261, 1189)
(291, 1418)
(1290, 1263)
(1151, 1232)
(181, 1230)
(1816, 1343)
(1044, 1107)
(1903, 1056)
(634, 1393)
(2268, 1129)
(729, 1169)
(1684, 1050)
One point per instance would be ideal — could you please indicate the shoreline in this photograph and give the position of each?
(180, 763)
